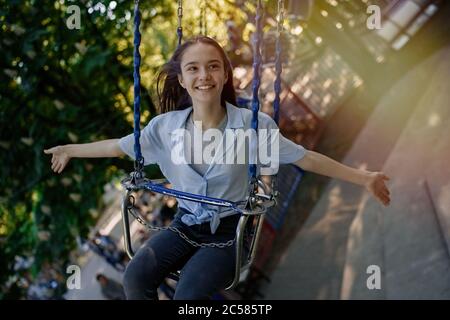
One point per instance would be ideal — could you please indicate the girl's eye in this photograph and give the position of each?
(192, 69)
(214, 66)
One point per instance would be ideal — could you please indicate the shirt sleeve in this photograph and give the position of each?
(289, 151)
(150, 144)
(280, 150)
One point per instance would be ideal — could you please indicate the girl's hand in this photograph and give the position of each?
(376, 186)
(60, 158)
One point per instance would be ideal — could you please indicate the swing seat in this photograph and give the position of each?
(247, 230)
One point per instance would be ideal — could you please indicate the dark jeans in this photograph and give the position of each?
(204, 271)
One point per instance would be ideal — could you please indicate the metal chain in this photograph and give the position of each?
(277, 84)
(280, 19)
(131, 210)
(180, 12)
(202, 19)
(180, 17)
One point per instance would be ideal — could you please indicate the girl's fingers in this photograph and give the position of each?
(382, 193)
(382, 197)
(383, 187)
(386, 200)
(57, 166)
(382, 200)
(49, 151)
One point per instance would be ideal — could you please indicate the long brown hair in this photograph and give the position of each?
(172, 96)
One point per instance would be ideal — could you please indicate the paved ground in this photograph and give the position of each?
(92, 264)
(407, 137)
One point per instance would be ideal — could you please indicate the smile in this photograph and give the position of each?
(205, 87)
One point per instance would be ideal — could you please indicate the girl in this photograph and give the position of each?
(197, 94)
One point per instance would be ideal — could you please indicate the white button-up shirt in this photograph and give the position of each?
(161, 138)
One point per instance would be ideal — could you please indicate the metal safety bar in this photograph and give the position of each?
(260, 204)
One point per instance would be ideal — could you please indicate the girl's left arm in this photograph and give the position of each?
(374, 182)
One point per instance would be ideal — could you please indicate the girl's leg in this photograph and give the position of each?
(207, 271)
(166, 251)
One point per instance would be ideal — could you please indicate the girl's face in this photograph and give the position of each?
(203, 73)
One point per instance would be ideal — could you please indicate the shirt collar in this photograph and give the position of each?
(235, 118)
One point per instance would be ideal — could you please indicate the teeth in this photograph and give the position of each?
(204, 87)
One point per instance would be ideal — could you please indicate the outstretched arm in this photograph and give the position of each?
(374, 182)
(100, 149)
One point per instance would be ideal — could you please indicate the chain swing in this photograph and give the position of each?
(256, 204)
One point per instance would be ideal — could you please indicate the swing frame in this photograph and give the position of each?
(260, 204)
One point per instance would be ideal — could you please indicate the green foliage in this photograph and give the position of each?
(60, 86)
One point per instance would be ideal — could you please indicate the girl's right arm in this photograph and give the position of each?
(100, 149)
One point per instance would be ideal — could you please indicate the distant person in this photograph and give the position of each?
(111, 289)
(105, 241)
(105, 246)
(167, 214)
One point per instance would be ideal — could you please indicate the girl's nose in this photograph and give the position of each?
(204, 73)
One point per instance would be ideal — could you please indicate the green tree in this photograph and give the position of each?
(59, 86)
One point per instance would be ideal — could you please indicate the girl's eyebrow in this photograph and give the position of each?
(195, 62)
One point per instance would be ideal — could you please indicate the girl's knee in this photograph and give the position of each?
(141, 274)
